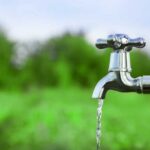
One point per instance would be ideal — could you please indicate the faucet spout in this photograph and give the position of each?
(103, 86)
(119, 81)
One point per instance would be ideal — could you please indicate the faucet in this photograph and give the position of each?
(118, 77)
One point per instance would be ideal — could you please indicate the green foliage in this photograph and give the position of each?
(65, 119)
(140, 63)
(66, 60)
(69, 50)
(62, 118)
(62, 61)
(6, 50)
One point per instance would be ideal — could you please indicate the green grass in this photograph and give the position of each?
(65, 119)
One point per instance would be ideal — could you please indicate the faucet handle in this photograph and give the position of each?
(120, 41)
(138, 42)
(101, 44)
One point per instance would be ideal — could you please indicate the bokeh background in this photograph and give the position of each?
(49, 67)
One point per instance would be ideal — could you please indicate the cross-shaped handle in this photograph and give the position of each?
(120, 41)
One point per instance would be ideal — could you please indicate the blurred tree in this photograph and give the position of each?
(70, 59)
(75, 59)
(6, 51)
(140, 63)
(63, 61)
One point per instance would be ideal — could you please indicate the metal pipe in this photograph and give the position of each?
(145, 84)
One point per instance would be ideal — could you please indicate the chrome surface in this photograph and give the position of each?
(118, 77)
(120, 61)
(120, 41)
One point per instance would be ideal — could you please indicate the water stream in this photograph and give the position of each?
(98, 130)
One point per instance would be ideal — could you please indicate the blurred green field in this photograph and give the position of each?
(65, 119)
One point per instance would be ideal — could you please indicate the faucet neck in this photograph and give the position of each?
(120, 61)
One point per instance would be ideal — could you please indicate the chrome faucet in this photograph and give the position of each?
(118, 77)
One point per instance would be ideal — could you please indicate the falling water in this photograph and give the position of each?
(98, 130)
